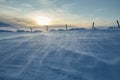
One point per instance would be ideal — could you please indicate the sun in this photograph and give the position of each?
(41, 20)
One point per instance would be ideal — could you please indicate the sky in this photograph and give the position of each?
(72, 12)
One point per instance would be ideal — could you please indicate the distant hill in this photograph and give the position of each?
(2, 24)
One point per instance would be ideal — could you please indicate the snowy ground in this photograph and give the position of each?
(60, 55)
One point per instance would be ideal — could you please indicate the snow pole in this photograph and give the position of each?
(31, 29)
(93, 25)
(118, 24)
(66, 27)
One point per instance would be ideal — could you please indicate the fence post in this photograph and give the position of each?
(118, 24)
(66, 27)
(31, 29)
(17, 29)
(93, 25)
(47, 28)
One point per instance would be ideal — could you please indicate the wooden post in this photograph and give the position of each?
(17, 29)
(47, 28)
(93, 25)
(66, 27)
(31, 29)
(118, 24)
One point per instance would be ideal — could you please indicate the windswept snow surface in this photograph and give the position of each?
(60, 55)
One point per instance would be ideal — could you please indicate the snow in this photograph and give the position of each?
(60, 55)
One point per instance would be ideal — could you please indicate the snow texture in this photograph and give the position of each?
(60, 55)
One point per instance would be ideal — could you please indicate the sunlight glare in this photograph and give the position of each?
(43, 20)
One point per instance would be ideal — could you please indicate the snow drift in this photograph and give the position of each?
(60, 55)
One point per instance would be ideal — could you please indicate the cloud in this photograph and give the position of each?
(100, 10)
(46, 2)
(2, 1)
(23, 12)
(60, 14)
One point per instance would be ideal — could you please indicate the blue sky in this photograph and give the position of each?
(73, 12)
